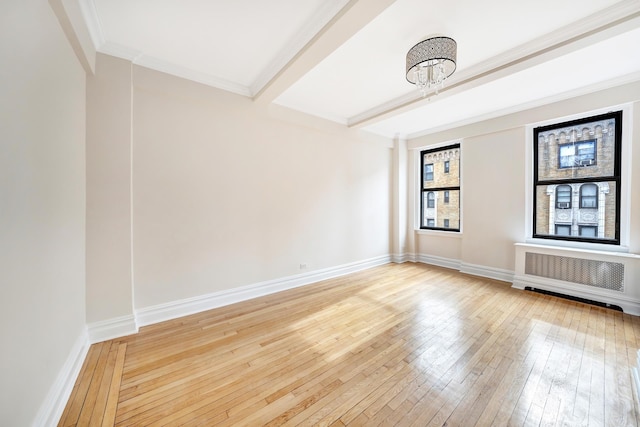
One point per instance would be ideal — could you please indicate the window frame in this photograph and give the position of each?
(570, 197)
(582, 196)
(593, 162)
(424, 190)
(431, 201)
(425, 173)
(616, 177)
(584, 226)
(563, 226)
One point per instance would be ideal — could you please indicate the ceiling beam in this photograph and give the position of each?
(354, 16)
(595, 28)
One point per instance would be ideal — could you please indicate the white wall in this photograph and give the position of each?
(109, 263)
(42, 206)
(226, 194)
(494, 182)
(493, 198)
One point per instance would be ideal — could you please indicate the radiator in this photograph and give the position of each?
(612, 278)
(589, 272)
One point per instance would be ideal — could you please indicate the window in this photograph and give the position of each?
(428, 172)
(431, 200)
(563, 197)
(564, 156)
(440, 174)
(563, 230)
(588, 230)
(588, 196)
(576, 154)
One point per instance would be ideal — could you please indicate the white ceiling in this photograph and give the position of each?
(344, 60)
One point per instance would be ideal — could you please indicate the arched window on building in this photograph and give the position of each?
(563, 197)
(431, 199)
(589, 196)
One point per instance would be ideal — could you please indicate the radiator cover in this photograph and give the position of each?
(599, 274)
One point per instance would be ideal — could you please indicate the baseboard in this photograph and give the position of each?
(162, 312)
(112, 328)
(628, 305)
(53, 406)
(400, 258)
(439, 261)
(488, 272)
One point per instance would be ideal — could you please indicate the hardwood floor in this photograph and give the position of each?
(397, 345)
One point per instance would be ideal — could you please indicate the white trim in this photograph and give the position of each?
(466, 268)
(167, 311)
(400, 258)
(53, 405)
(112, 328)
(628, 305)
(439, 261)
(489, 272)
(138, 58)
(90, 15)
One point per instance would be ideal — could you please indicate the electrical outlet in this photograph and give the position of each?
(303, 266)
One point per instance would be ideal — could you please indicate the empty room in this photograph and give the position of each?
(319, 212)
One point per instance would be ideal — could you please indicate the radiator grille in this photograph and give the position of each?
(599, 274)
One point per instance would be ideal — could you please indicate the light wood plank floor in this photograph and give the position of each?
(397, 345)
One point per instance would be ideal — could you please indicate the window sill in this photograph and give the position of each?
(596, 247)
(439, 233)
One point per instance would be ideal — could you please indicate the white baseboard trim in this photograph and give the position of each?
(439, 261)
(400, 258)
(112, 328)
(53, 406)
(162, 312)
(628, 305)
(488, 272)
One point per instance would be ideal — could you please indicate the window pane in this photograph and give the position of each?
(597, 209)
(428, 172)
(588, 230)
(435, 211)
(563, 197)
(563, 230)
(440, 170)
(431, 199)
(577, 151)
(435, 175)
(588, 196)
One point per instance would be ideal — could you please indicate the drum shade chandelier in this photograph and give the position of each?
(430, 62)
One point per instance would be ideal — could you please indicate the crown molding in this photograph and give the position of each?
(90, 15)
(193, 75)
(138, 58)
